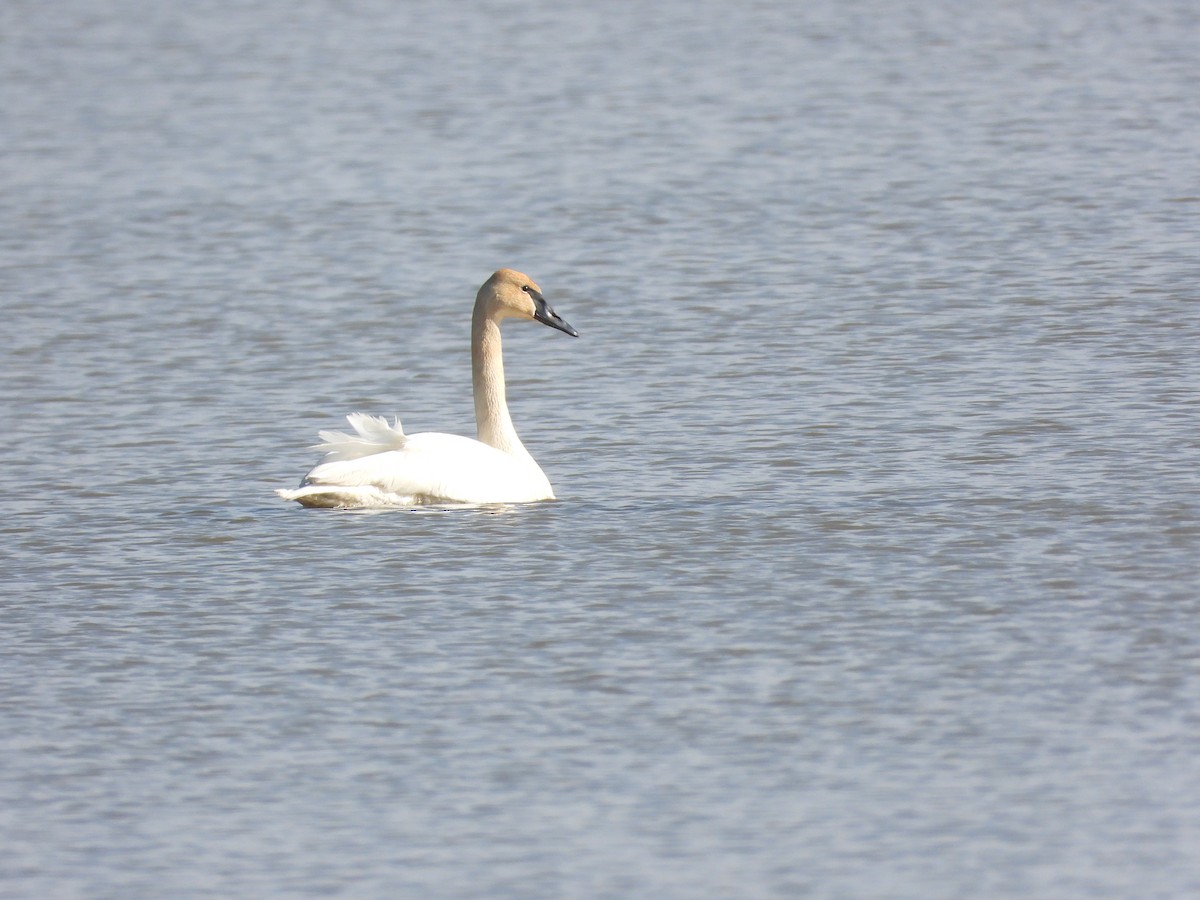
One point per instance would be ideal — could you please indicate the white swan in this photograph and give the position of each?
(380, 465)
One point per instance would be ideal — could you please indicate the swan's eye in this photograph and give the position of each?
(525, 289)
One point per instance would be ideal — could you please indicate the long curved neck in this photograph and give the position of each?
(492, 421)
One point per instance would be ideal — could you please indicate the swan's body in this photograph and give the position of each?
(380, 465)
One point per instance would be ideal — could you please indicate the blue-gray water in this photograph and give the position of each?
(874, 571)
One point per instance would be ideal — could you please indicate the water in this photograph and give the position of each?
(874, 570)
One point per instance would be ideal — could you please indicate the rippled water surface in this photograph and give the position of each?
(874, 571)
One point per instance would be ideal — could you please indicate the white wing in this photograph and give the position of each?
(380, 465)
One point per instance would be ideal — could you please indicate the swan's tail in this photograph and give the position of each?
(374, 435)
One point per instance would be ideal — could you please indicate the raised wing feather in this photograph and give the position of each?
(372, 434)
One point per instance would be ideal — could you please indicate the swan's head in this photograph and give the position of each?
(510, 294)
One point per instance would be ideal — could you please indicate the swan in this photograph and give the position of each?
(380, 465)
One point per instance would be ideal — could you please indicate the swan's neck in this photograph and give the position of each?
(492, 420)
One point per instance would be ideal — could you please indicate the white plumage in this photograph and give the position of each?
(380, 465)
